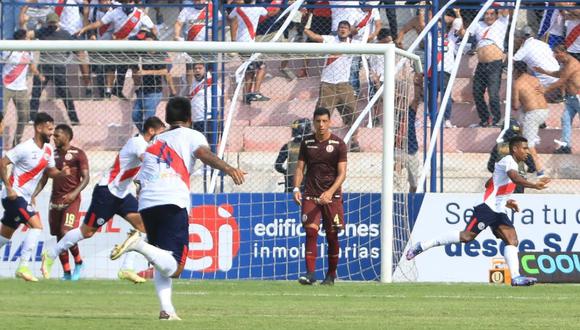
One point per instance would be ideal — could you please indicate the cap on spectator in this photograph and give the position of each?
(525, 32)
(52, 18)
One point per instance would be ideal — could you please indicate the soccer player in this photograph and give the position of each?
(165, 201)
(492, 212)
(65, 199)
(30, 159)
(112, 196)
(324, 155)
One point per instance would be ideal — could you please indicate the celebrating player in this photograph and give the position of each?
(65, 199)
(111, 196)
(165, 201)
(492, 212)
(324, 155)
(30, 159)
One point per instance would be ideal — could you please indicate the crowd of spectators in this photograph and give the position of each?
(317, 21)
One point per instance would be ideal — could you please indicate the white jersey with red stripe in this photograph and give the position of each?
(167, 166)
(336, 67)
(121, 21)
(501, 186)
(126, 166)
(105, 32)
(572, 39)
(248, 18)
(200, 94)
(29, 162)
(365, 23)
(70, 14)
(15, 69)
(195, 22)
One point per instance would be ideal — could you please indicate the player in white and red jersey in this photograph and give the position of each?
(126, 21)
(112, 196)
(165, 198)
(30, 160)
(492, 212)
(69, 11)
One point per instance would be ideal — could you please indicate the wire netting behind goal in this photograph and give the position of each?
(254, 113)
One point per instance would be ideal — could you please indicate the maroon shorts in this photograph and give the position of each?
(331, 215)
(61, 219)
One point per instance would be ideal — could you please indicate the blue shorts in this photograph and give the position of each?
(16, 212)
(167, 228)
(105, 205)
(484, 216)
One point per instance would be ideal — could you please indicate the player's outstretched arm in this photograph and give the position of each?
(517, 179)
(210, 159)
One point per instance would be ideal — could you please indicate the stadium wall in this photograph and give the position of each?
(242, 236)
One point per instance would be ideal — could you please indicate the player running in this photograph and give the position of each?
(65, 199)
(111, 196)
(30, 160)
(165, 198)
(492, 212)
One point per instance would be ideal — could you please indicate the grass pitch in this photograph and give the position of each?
(287, 305)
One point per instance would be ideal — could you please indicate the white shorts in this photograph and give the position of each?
(531, 120)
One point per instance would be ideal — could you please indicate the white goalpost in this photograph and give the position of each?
(252, 231)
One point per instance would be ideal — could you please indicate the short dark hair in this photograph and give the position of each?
(520, 67)
(516, 140)
(383, 33)
(66, 129)
(41, 118)
(1, 117)
(152, 122)
(321, 112)
(177, 109)
(347, 23)
(19, 34)
(561, 48)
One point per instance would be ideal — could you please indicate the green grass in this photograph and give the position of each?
(287, 305)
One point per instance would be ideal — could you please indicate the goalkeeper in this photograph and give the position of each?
(324, 155)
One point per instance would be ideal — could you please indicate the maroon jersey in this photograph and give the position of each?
(321, 160)
(76, 160)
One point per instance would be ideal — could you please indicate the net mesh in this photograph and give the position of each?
(248, 231)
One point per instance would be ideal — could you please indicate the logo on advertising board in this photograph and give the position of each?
(551, 267)
(214, 238)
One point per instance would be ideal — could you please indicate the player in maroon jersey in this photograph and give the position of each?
(324, 156)
(65, 199)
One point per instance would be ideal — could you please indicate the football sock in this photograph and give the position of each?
(163, 288)
(129, 260)
(74, 250)
(333, 251)
(64, 261)
(71, 238)
(311, 250)
(510, 253)
(162, 260)
(3, 241)
(29, 245)
(447, 238)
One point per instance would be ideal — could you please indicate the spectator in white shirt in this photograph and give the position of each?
(536, 53)
(201, 96)
(244, 23)
(490, 34)
(336, 92)
(14, 71)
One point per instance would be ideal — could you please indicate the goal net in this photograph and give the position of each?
(254, 109)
